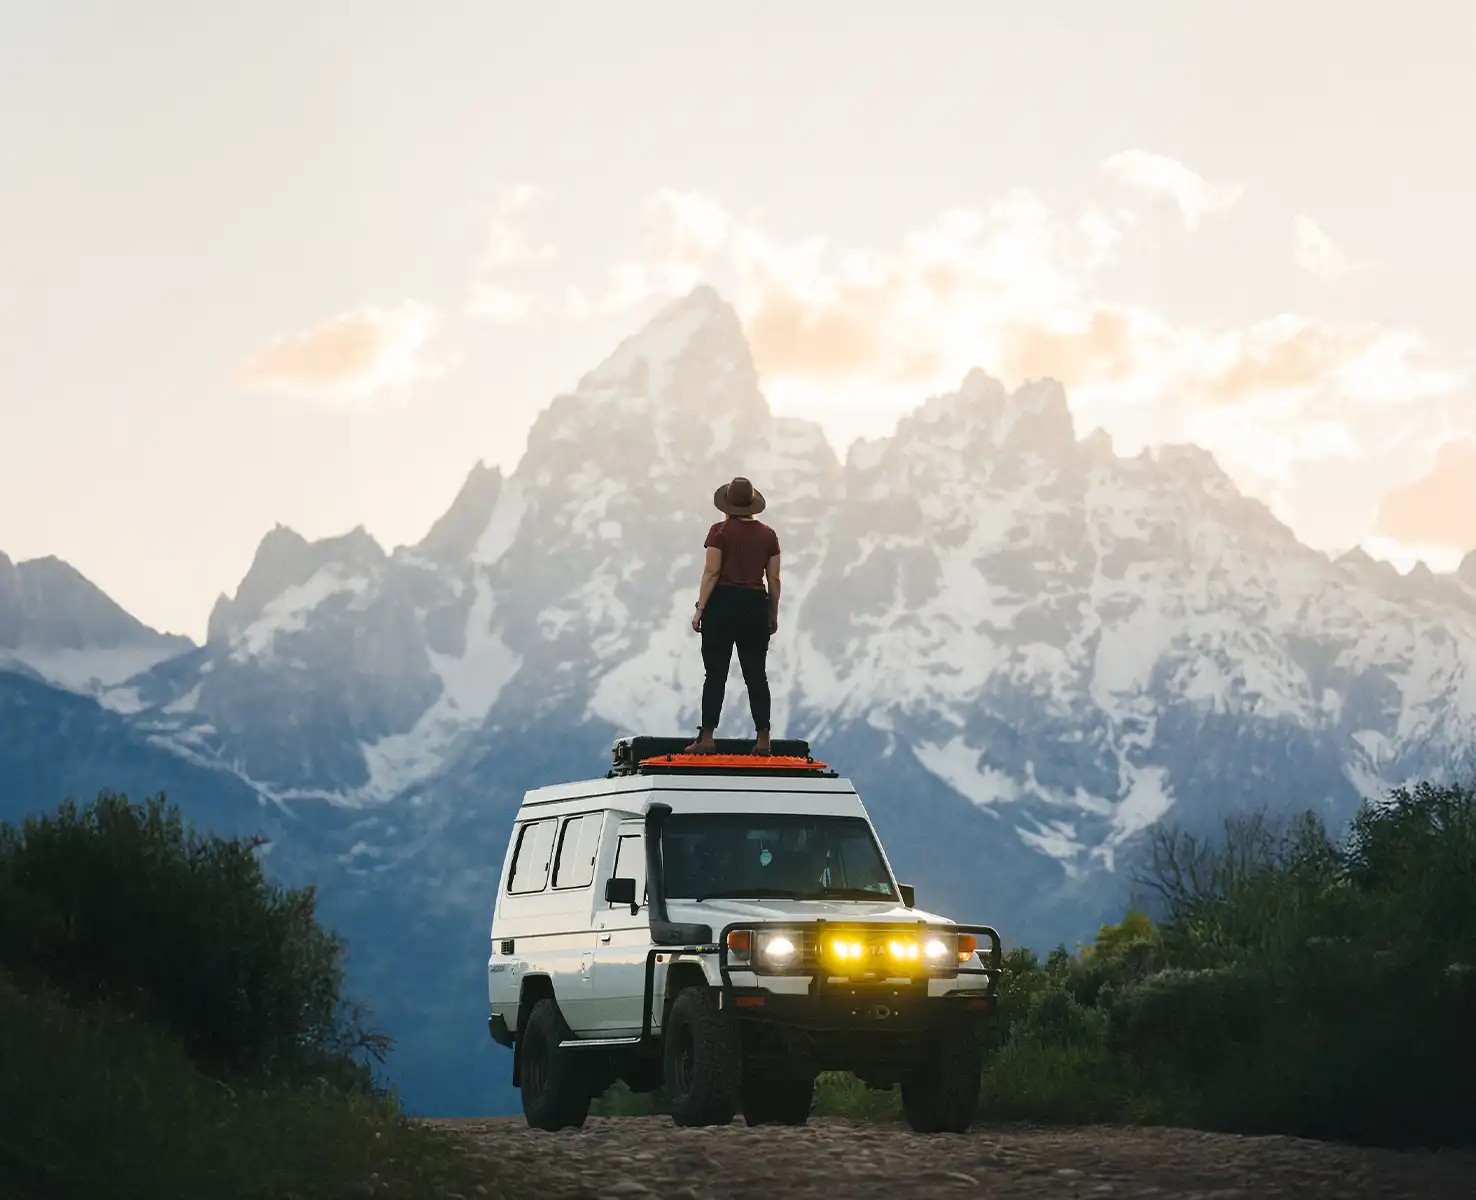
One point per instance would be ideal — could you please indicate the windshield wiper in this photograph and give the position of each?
(851, 893)
(750, 893)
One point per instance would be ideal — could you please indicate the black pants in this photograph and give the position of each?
(735, 617)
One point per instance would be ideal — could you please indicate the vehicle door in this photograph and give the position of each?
(568, 932)
(624, 939)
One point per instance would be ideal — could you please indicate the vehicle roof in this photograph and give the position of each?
(715, 792)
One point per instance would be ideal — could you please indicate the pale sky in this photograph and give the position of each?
(306, 262)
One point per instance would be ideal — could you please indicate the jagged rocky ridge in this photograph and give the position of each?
(1024, 648)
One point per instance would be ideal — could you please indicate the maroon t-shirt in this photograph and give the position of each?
(747, 546)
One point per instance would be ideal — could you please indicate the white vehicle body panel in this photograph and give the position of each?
(594, 953)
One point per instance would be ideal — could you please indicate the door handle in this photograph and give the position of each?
(604, 937)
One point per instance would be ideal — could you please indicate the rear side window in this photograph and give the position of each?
(578, 846)
(630, 863)
(530, 859)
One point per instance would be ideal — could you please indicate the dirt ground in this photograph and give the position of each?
(839, 1160)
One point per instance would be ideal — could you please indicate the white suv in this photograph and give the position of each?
(725, 927)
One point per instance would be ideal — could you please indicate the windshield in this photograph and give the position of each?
(797, 856)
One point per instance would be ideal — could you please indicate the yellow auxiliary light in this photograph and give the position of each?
(903, 951)
(847, 950)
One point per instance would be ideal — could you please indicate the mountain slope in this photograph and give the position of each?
(58, 626)
(1023, 648)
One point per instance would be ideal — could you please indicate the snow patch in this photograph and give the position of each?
(502, 526)
(1148, 798)
(89, 669)
(956, 763)
(289, 612)
(470, 685)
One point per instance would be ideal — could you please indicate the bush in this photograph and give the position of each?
(120, 902)
(98, 1102)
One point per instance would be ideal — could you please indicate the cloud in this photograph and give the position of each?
(1286, 354)
(1438, 509)
(492, 303)
(684, 231)
(1319, 254)
(1101, 350)
(1296, 408)
(356, 360)
(507, 247)
(1158, 175)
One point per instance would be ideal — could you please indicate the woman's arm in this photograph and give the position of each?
(771, 573)
(710, 571)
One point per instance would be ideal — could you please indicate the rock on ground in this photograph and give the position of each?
(650, 1157)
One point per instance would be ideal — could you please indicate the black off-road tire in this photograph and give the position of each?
(555, 1083)
(941, 1095)
(771, 1100)
(702, 1059)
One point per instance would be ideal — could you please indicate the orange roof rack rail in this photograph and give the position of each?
(757, 762)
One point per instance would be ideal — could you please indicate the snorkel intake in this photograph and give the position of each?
(664, 932)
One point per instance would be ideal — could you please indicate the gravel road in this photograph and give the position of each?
(633, 1157)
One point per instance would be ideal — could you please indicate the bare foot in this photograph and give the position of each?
(762, 746)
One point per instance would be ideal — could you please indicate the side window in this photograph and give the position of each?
(530, 860)
(578, 846)
(630, 863)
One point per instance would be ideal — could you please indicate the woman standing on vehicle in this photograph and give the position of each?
(735, 609)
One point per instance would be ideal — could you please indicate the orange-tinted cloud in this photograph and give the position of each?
(1102, 352)
(349, 357)
(1286, 360)
(1438, 509)
(831, 337)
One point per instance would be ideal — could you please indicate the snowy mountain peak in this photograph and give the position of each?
(982, 418)
(455, 535)
(57, 624)
(1466, 572)
(690, 357)
(285, 561)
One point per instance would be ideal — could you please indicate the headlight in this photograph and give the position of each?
(776, 948)
(935, 950)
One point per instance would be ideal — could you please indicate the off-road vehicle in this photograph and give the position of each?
(723, 927)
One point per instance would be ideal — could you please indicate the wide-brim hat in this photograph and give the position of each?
(739, 489)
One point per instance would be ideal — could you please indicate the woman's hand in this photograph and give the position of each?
(697, 621)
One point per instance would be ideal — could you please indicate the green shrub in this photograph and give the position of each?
(120, 902)
(98, 1102)
(841, 1094)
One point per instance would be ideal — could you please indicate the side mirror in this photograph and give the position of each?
(622, 890)
(908, 895)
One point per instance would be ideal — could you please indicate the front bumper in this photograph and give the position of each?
(811, 999)
(880, 1008)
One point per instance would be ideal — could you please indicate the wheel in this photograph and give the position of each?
(941, 1094)
(702, 1060)
(777, 1101)
(555, 1084)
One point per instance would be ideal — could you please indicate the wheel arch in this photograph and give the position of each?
(679, 977)
(533, 989)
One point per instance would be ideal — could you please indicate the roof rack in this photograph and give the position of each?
(667, 756)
